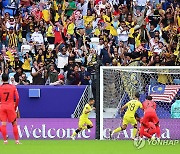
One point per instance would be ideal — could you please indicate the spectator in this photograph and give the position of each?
(17, 63)
(62, 59)
(138, 32)
(59, 82)
(2, 63)
(12, 42)
(105, 54)
(12, 81)
(70, 8)
(50, 34)
(140, 4)
(23, 80)
(76, 76)
(52, 74)
(84, 76)
(39, 74)
(27, 63)
(37, 37)
(19, 72)
(73, 76)
(28, 28)
(40, 56)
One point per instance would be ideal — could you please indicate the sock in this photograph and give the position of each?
(117, 130)
(158, 131)
(134, 132)
(4, 132)
(88, 127)
(15, 132)
(76, 132)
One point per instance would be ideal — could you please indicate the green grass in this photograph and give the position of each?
(84, 147)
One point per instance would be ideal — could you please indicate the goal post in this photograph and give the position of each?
(118, 84)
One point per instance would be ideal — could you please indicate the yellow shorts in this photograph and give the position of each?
(84, 122)
(129, 120)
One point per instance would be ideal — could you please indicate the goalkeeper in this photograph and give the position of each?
(129, 117)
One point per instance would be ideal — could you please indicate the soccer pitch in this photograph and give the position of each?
(84, 147)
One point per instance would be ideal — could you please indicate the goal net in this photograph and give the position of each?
(118, 86)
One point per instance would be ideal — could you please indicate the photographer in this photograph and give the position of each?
(39, 74)
(23, 80)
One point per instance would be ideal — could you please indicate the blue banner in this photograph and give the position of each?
(52, 101)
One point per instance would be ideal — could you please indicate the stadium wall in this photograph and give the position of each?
(62, 128)
(169, 129)
(50, 128)
(49, 101)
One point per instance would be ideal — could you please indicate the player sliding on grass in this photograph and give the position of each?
(150, 115)
(8, 108)
(129, 117)
(84, 122)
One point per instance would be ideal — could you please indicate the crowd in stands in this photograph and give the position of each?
(57, 42)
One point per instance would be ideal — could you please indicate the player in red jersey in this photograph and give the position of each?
(150, 115)
(147, 131)
(8, 94)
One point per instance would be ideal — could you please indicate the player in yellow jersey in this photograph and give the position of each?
(84, 122)
(129, 117)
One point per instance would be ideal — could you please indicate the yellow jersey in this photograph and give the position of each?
(178, 20)
(132, 105)
(46, 15)
(50, 32)
(27, 65)
(70, 28)
(85, 115)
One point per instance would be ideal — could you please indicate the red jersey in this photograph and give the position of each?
(8, 95)
(149, 106)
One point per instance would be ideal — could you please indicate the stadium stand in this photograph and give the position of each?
(71, 37)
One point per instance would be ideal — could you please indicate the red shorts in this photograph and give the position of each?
(150, 117)
(7, 114)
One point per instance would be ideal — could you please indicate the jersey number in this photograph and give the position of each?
(132, 106)
(7, 95)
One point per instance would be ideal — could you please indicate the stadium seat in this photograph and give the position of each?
(29, 77)
(5, 3)
(51, 46)
(11, 74)
(25, 48)
(176, 81)
(10, 11)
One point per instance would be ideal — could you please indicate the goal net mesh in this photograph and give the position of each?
(121, 83)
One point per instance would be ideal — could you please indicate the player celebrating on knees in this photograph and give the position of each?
(8, 93)
(150, 115)
(129, 117)
(84, 122)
